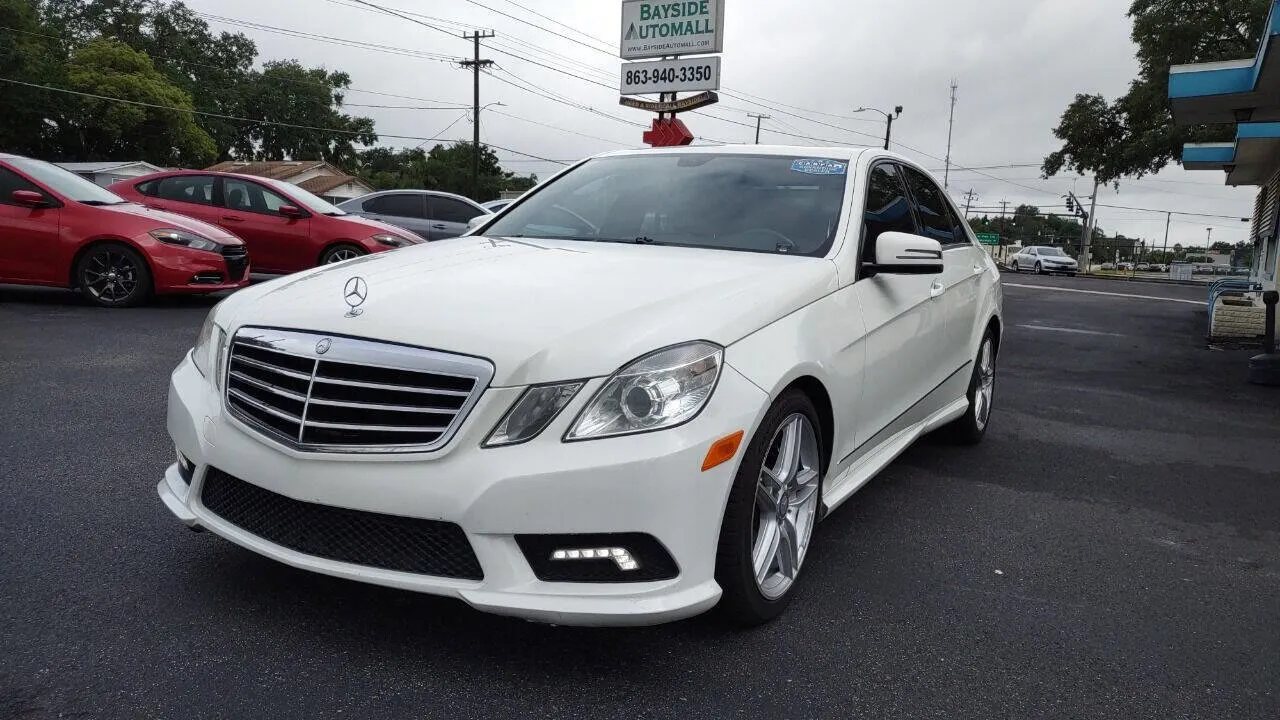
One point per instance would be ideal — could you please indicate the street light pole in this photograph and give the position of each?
(888, 129)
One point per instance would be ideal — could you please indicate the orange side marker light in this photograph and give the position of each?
(722, 451)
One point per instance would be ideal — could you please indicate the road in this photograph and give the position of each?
(1111, 550)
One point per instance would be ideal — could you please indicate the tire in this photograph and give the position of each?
(341, 252)
(1039, 270)
(113, 275)
(1014, 266)
(970, 428)
(749, 530)
(1071, 274)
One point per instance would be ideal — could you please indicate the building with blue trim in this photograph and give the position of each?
(1245, 93)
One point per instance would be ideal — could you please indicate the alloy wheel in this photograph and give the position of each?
(343, 253)
(985, 391)
(111, 276)
(786, 506)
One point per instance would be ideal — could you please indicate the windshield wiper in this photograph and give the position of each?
(96, 203)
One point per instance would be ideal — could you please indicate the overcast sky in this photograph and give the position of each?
(1018, 64)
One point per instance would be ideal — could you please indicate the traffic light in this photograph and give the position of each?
(1071, 204)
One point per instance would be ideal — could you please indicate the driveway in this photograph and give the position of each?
(1111, 550)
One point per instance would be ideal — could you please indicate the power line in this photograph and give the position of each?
(191, 111)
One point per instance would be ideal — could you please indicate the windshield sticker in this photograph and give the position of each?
(817, 166)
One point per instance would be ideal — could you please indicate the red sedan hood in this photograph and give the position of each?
(373, 226)
(165, 219)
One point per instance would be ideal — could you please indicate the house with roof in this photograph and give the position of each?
(1244, 93)
(315, 176)
(106, 172)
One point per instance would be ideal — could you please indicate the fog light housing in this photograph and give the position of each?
(598, 558)
(186, 468)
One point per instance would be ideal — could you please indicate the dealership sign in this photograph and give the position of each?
(657, 28)
(668, 76)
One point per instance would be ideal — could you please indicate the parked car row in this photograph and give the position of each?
(195, 231)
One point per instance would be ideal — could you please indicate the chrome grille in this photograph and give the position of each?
(328, 393)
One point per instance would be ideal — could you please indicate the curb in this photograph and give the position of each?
(1153, 281)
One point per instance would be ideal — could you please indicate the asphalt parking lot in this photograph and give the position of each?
(1111, 550)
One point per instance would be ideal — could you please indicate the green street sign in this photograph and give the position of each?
(988, 238)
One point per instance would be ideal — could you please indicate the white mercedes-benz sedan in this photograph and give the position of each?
(628, 398)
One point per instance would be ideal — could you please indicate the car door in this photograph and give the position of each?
(449, 216)
(276, 243)
(964, 263)
(28, 236)
(904, 323)
(190, 195)
(406, 210)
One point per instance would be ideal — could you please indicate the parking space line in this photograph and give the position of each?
(1100, 292)
(1069, 330)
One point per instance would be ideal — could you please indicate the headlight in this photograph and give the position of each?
(660, 390)
(210, 345)
(184, 238)
(531, 414)
(391, 240)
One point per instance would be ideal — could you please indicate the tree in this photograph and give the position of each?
(310, 100)
(444, 167)
(27, 55)
(111, 130)
(1135, 134)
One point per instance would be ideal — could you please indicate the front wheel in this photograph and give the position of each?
(772, 509)
(1014, 267)
(339, 253)
(968, 429)
(1039, 270)
(113, 275)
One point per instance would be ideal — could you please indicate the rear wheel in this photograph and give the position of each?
(113, 275)
(338, 253)
(969, 428)
(772, 510)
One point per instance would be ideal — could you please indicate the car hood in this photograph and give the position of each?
(156, 219)
(542, 310)
(368, 226)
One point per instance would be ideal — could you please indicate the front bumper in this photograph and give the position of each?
(650, 483)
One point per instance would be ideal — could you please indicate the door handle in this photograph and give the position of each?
(439, 226)
(978, 269)
(936, 289)
(232, 218)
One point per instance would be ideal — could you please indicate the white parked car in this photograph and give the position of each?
(623, 401)
(1043, 260)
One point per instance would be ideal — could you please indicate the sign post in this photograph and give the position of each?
(670, 30)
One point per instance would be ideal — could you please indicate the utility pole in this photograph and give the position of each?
(758, 118)
(1208, 240)
(1088, 229)
(476, 64)
(1004, 205)
(946, 175)
(1168, 218)
(969, 197)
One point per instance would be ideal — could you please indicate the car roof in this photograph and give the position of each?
(850, 154)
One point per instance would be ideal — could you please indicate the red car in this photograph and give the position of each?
(59, 229)
(287, 228)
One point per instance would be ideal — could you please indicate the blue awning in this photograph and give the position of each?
(1233, 90)
(1250, 160)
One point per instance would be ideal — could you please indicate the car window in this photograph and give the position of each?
(196, 189)
(450, 210)
(10, 182)
(937, 220)
(400, 205)
(246, 196)
(148, 188)
(887, 208)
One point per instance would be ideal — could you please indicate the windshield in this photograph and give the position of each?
(66, 183)
(1052, 252)
(755, 203)
(315, 204)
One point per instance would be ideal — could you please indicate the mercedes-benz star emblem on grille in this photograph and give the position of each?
(355, 293)
(322, 347)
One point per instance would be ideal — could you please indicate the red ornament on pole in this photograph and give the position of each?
(668, 132)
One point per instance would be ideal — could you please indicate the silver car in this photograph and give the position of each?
(433, 215)
(1043, 260)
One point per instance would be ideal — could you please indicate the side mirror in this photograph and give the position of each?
(29, 198)
(478, 220)
(900, 253)
(290, 211)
